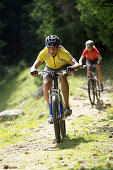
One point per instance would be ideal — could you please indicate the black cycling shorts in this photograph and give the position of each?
(88, 61)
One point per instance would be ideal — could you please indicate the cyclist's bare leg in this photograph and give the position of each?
(65, 89)
(47, 86)
(98, 67)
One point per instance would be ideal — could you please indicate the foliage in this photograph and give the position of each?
(2, 25)
(102, 9)
(97, 15)
(25, 24)
(56, 18)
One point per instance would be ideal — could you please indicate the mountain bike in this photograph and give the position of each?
(56, 104)
(93, 85)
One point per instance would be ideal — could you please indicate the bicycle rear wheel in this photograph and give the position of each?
(91, 91)
(62, 124)
(97, 90)
(56, 118)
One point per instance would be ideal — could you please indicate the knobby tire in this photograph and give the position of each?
(62, 124)
(63, 128)
(56, 118)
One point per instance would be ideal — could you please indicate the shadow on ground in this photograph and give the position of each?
(68, 142)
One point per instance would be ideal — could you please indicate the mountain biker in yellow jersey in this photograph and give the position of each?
(56, 58)
(92, 56)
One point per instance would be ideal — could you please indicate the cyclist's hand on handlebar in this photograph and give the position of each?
(99, 62)
(33, 72)
(77, 67)
(70, 69)
(81, 65)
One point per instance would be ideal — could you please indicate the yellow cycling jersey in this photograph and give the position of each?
(62, 58)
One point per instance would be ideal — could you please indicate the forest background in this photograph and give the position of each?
(25, 24)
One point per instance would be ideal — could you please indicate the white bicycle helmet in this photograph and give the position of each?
(89, 43)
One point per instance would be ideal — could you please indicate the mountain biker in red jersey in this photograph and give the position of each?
(92, 56)
(57, 58)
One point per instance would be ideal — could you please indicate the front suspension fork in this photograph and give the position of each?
(56, 93)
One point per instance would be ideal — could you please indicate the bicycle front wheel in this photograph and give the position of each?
(63, 128)
(56, 118)
(62, 123)
(91, 91)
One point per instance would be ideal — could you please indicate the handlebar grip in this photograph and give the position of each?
(34, 73)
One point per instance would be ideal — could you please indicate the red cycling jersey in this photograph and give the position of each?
(91, 55)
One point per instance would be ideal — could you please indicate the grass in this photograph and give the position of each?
(110, 113)
(9, 127)
(85, 146)
(88, 144)
(17, 89)
(76, 83)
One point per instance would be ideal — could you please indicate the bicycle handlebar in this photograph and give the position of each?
(93, 65)
(62, 72)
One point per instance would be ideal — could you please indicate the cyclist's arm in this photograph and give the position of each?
(73, 62)
(36, 64)
(34, 68)
(99, 58)
(81, 59)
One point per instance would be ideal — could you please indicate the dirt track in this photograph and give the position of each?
(27, 154)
